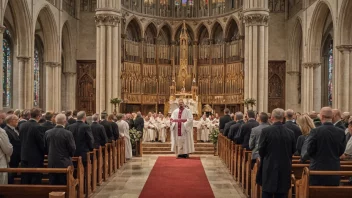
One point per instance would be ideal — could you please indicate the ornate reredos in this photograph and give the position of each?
(183, 74)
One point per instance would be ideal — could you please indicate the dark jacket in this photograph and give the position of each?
(99, 134)
(19, 123)
(108, 129)
(223, 120)
(32, 142)
(325, 146)
(139, 123)
(227, 127)
(71, 121)
(276, 147)
(234, 130)
(61, 147)
(130, 123)
(245, 133)
(115, 131)
(317, 122)
(340, 124)
(48, 125)
(293, 126)
(16, 143)
(84, 139)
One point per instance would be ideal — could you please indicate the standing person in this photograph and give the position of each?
(255, 136)
(235, 129)
(306, 124)
(246, 130)
(229, 124)
(125, 134)
(25, 116)
(99, 134)
(204, 128)
(224, 119)
(70, 118)
(162, 128)
(139, 122)
(276, 147)
(336, 119)
(115, 128)
(289, 114)
(6, 150)
(348, 151)
(107, 126)
(48, 124)
(325, 146)
(61, 147)
(12, 133)
(32, 147)
(83, 136)
(182, 131)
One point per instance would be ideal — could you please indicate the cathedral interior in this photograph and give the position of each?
(79, 54)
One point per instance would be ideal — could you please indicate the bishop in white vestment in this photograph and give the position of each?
(182, 131)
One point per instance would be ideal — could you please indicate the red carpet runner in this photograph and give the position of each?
(177, 178)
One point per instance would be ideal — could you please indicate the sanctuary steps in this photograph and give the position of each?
(164, 148)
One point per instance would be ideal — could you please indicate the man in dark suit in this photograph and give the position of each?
(325, 146)
(61, 147)
(12, 133)
(83, 136)
(25, 116)
(336, 119)
(276, 147)
(107, 126)
(48, 124)
(224, 119)
(289, 113)
(235, 129)
(246, 129)
(71, 117)
(32, 147)
(139, 122)
(100, 138)
(130, 121)
(115, 129)
(229, 124)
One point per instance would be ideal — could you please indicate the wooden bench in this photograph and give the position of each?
(39, 191)
(100, 166)
(307, 191)
(255, 188)
(91, 173)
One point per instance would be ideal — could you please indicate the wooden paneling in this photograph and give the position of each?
(86, 75)
(276, 75)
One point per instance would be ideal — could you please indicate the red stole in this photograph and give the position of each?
(179, 125)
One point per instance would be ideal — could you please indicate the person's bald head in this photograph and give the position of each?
(336, 115)
(346, 116)
(326, 114)
(60, 119)
(289, 113)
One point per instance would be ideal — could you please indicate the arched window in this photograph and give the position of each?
(38, 61)
(330, 73)
(7, 69)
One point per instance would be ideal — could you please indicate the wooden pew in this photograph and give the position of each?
(243, 167)
(114, 155)
(235, 160)
(94, 169)
(255, 188)
(248, 174)
(39, 191)
(80, 176)
(105, 162)
(118, 153)
(239, 163)
(232, 158)
(307, 191)
(110, 158)
(100, 166)
(91, 173)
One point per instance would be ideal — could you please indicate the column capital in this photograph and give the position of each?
(256, 19)
(52, 64)
(23, 58)
(311, 65)
(106, 19)
(343, 48)
(2, 29)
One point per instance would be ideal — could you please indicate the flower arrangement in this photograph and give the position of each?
(134, 136)
(249, 101)
(213, 135)
(115, 102)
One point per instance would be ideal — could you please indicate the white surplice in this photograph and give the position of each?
(182, 144)
(149, 131)
(162, 129)
(124, 132)
(205, 129)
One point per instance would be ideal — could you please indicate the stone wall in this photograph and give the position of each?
(87, 37)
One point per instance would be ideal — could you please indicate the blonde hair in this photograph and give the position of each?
(305, 123)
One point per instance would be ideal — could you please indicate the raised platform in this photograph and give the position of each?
(164, 148)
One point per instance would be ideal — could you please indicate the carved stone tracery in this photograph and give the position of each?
(107, 19)
(256, 19)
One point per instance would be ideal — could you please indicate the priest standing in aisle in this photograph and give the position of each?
(182, 131)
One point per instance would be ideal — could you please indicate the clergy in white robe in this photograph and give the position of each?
(182, 131)
(162, 128)
(125, 133)
(149, 130)
(205, 128)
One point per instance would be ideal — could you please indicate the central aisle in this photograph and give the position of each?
(129, 181)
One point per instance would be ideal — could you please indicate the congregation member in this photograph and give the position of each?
(229, 124)
(98, 131)
(305, 124)
(125, 135)
(314, 116)
(345, 117)
(291, 124)
(6, 150)
(32, 147)
(276, 147)
(224, 119)
(48, 124)
(325, 146)
(182, 131)
(13, 135)
(336, 119)
(83, 137)
(245, 132)
(235, 129)
(61, 147)
(255, 136)
(114, 127)
(348, 151)
(139, 122)
(25, 116)
(204, 128)
(107, 126)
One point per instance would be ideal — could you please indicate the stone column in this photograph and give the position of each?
(70, 90)
(108, 62)
(293, 97)
(344, 77)
(52, 85)
(255, 17)
(18, 82)
(311, 98)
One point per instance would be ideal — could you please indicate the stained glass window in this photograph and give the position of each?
(37, 64)
(330, 70)
(7, 69)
